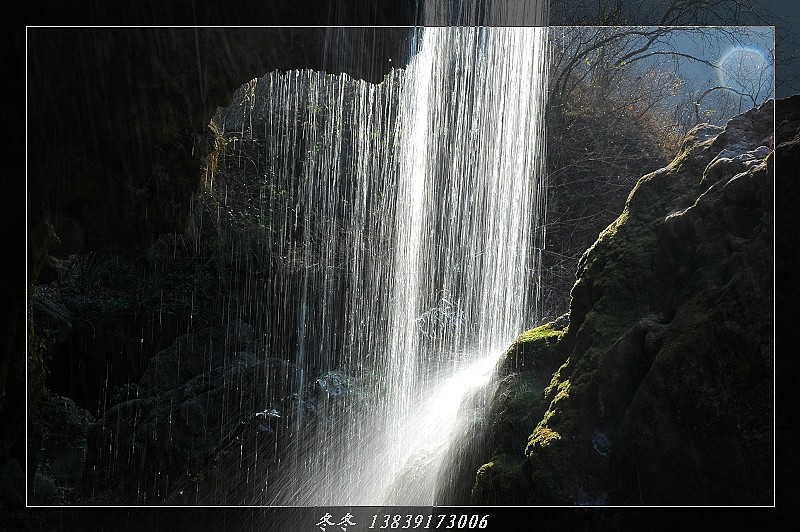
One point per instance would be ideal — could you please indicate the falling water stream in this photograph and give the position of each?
(412, 222)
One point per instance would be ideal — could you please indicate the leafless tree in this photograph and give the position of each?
(619, 103)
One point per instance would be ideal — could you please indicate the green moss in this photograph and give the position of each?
(502, 480)
(517, 405)
(543, 436)
(535, 349)
(611, 230)
(546, 331)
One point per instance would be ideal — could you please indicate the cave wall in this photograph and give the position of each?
(117, 131)
(118, 138)
(118, 116)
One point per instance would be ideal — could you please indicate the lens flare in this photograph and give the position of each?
(745, 69)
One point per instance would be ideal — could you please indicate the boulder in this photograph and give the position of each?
(194, 400)
(52, 319)
(517, 405)
(665, 393)
(194, 354)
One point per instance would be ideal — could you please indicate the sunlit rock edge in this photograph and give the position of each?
(662, 390)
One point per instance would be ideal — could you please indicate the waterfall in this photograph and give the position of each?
(406, 222)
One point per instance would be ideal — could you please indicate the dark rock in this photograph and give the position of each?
(52, 319)
(516, 407)
(45, 490)
(60, 427)
(207, 392)
(787, 140)
(12, 485)
(21, 379)
(601, 443)
(334, 384)
(669, 351)
(562, 321)
(130, 136)
(195, 354)
(87, 333)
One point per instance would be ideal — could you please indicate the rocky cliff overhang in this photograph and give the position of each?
(117, 117)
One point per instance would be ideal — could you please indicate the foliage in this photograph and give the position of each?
(700, 14)
(615, 114)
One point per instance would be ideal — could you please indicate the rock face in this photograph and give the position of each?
(518, 404)
(665, 393)
(118, 116)
(787, 142)
(59, 429)
(207, 408)
(193, 399)
(118, 122)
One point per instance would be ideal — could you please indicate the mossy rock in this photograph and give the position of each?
(517, 405)
(503, 480)
(668, 358)
(534, 350)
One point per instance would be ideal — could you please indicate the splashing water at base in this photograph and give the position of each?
(427, 436)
